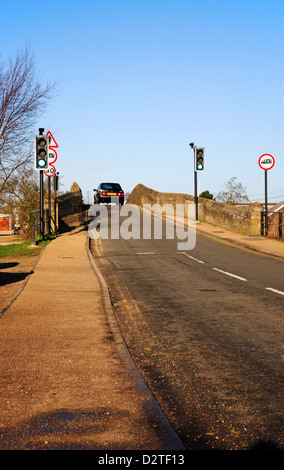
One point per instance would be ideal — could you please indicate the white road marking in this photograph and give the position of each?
(191, 257)
(275, 290)
(230, 274)
(146, 253)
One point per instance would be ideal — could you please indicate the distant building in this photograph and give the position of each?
(277, 207)
(5, 223)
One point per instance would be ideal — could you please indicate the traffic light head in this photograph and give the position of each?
(41, 152)
(199, 159)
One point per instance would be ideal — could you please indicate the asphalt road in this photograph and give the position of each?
(205, 328)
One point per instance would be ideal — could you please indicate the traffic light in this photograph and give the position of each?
(41, 152)
(199, 159)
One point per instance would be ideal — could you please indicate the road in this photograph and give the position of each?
(205, 329)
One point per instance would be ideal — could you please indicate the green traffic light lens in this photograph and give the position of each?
(41, 163)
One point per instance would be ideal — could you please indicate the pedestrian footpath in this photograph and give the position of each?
(262, 245)
(67, 379)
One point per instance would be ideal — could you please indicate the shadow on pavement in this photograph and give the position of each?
(64, 227)
(8, 265)
(10, 278)
(63, 430)
(71, 222)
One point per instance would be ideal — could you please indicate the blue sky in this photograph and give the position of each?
(139, 80)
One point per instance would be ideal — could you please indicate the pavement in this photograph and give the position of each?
(67, 378)
(260, 244)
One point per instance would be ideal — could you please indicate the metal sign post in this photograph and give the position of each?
(266, 162)
(55, 188)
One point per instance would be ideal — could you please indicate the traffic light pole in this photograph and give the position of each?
(41, 212)
(195, 195)
(198, 165)
(41, 204)
(195, 182)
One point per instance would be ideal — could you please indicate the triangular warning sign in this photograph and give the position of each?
(53, 142)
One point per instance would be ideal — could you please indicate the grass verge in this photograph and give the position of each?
(25, 248)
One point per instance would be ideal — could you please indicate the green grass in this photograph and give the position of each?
(25, 248)
(47, 238)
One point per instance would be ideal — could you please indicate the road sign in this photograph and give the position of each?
(50, 171)
(266, 161)
(52, 141)
(52, 155)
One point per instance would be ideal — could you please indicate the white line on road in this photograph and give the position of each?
(275, 290)
(230, 274)
(145, 253)
(191, 257)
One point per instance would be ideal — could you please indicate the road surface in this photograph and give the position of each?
(205, 328)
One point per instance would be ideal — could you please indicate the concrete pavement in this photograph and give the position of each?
(67, 379)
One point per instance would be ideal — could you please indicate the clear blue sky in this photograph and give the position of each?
(139, 80)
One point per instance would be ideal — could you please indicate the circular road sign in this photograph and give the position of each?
(50, 171)
(52, 156)
(266, 161)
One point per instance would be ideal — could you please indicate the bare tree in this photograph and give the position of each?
(21, 196)
(233, 192)
(21, 99)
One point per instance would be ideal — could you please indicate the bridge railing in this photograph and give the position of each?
(36, 223)
(272, 224)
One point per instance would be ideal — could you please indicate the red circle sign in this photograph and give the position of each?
(50, 171)
(266, 161)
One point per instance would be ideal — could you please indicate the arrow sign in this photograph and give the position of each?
(266, 161)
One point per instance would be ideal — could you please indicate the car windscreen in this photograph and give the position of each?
(112, 186)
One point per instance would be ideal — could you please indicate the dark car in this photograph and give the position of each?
(106, 191)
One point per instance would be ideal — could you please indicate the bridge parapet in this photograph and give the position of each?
(243, 219)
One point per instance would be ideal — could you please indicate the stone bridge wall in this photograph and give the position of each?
(245, 220)
(71, 202)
